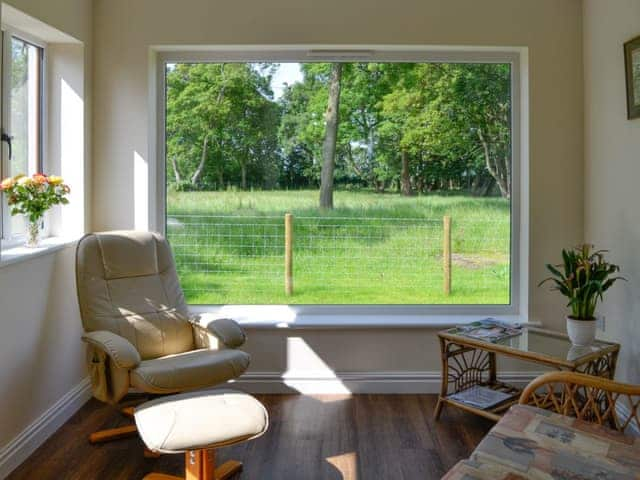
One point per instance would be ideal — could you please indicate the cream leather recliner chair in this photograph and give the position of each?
(139, 331)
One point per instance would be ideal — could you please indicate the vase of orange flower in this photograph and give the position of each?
(32, 197)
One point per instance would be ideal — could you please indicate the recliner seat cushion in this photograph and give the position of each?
(189, 370)
(198, 420)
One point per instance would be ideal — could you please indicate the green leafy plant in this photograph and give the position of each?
(582, 277)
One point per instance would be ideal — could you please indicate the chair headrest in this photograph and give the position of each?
(128, 253)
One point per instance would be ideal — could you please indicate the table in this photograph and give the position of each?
(467, 362)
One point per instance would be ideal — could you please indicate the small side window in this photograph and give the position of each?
(22, 87)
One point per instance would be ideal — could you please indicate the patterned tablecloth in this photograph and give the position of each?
(529, 443)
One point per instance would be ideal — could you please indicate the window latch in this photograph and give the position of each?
(7, 138)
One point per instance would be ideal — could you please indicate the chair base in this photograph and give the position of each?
(111, 434)
(227, 470)
(200, 465)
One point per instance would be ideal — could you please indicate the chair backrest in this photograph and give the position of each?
(127, 284)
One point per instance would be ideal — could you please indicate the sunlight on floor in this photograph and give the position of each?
(308, 373)
(346, 464)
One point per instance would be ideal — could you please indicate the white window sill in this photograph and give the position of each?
(285, 317)
(17, 254)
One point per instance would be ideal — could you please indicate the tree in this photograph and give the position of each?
(402, 124)
(471, 118)
(450, 123)
(364, 86)
(332, 119)
(413, 127)
(220, 125)
(301, 127)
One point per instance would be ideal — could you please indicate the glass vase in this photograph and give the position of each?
(33, 233)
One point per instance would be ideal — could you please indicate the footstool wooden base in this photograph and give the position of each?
(197, 423)
(200, 465)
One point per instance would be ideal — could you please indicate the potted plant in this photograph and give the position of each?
(582, 277)
(32, 197)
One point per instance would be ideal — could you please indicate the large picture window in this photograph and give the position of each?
(340, 182)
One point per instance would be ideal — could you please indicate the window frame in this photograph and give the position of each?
(7, 239)
(153, 179)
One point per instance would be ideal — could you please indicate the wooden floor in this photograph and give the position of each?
(321, 437)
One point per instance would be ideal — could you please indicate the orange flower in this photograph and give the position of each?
(39, 178)
(7, 183)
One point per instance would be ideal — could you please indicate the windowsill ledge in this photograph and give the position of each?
(282, 317)
(17, 254)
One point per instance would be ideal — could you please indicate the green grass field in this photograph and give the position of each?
(371, 249)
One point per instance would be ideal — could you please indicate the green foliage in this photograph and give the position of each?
(451, 120)
(582, 277)
(33, 196)
(221, 120)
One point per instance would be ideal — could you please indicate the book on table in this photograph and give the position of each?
(488, 329)
(480, 397)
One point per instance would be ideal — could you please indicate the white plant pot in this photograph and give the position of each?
(581, 332)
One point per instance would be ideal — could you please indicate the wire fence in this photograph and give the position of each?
(243, 260)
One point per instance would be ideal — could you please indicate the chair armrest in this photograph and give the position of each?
(119, 349)
(226, 330)
(587, 397)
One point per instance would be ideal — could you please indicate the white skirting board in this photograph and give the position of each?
(19, 449)
(356, 382)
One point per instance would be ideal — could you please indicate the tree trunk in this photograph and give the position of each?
(243, 173)
(330, 137)
(481, 185)
(196, 175)
(371, 145)
(500, 170)
(203, 158)
(352, 163)
(176, 173)
(405, 178)
(221, 177)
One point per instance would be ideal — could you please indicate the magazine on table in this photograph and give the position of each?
(489, 329)
(480, 397)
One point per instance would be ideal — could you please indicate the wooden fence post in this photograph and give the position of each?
(446, 254)
(288, 254)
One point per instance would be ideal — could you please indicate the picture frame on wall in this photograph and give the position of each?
(632, 68)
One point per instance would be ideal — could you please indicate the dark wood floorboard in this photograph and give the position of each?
(322, 437)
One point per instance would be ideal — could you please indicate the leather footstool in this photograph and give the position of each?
(196, 423)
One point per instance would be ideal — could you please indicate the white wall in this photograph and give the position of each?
(612, 168)
(41, 355)
(67, 152)
(551, 29)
